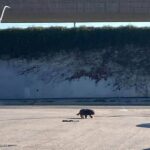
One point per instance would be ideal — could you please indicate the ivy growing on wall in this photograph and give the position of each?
(41, 42)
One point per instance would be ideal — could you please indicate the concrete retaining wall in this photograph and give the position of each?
(14, 84)
(76, 10)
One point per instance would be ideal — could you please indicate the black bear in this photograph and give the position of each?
(86, 112)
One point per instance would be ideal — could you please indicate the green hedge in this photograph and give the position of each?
(40, 42)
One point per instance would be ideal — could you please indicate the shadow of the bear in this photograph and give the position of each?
(70, 120)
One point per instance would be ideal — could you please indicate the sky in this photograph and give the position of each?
(69, 25)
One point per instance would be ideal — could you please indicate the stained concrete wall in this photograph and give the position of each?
(76, 10)
(35, 85)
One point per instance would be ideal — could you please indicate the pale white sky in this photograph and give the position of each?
(69, 25)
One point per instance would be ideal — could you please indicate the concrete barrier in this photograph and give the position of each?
(76, 10)
(114, 101)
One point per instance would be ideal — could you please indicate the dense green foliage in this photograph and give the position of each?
(38, 42)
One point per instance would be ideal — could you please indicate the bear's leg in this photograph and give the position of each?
(81, 116)
(91, 116)
(85, 116)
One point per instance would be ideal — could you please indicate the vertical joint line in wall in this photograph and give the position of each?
(118, 6)
(105, 5)
(76, 10)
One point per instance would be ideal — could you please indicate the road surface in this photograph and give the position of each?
(41, 128)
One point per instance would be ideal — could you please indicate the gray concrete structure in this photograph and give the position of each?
(76, 10)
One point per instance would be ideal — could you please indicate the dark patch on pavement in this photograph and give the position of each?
(144, 125)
